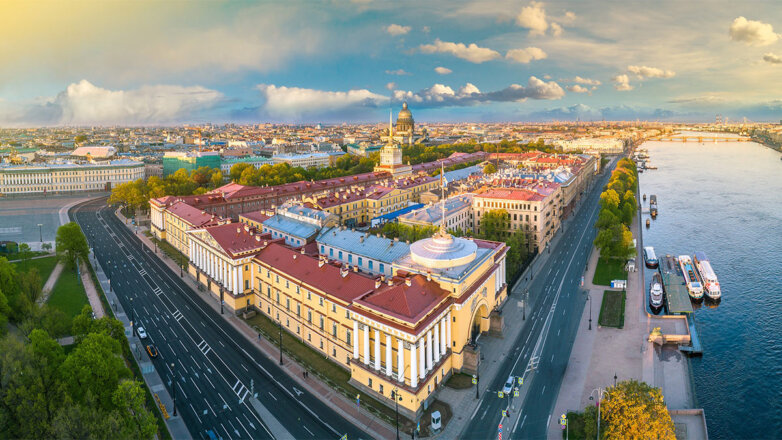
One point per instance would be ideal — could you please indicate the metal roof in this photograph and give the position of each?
(290, 227)
(371, 246)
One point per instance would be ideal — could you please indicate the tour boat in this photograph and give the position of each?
(694, 287)
(656, 291)
(653, 205)
(709, 279)
(650, 257)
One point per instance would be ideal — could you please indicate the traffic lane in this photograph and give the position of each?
(125, 273)
(342, 426)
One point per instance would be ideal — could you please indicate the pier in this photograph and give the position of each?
(701, 139)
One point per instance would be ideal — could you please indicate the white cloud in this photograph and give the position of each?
(755, 33)
(556, 30)
(587, 81)
(398, 72)
(577, 89)
(391, 86)
(396, 29)
(83, 103)
(425, 29)
(472, 53)
(569, 17)
(533, 17)
(643, 72)
(443, 70)
(440, 95)
(281, 101)
(524, 56)
(772, 58)
(622, 83)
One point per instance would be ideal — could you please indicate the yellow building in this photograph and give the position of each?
(68, 177)
(408, 332)
(220, 259)
(180, 218)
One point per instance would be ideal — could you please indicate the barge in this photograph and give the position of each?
(694, 287)
(708, 278)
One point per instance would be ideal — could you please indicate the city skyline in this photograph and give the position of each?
(122, 63)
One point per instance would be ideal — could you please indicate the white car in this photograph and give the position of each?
(508, 385)
(141, 332)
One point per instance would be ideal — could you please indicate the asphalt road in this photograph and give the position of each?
(214, 364)
(547, 336)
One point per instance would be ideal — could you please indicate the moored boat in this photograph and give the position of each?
(708, 278)
(653, 205)
(650, 258)
(656, 291)
(694, 287)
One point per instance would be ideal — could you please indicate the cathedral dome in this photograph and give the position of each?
(405, 122)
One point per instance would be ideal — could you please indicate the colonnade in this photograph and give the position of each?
(219, 269)
(428, 349)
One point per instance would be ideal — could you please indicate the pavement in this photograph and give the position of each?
(91, 291)
(46, 290)
(20, 217)
(539, 330)
(215, 367)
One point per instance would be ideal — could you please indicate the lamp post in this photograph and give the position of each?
(589, 297)
(601, 392)
(221, 300)
(181, 268)
(132, 317)
(173, 386)
(40, 231)
(155, 241)
(280, 321)
(477, 382)
(395, 395)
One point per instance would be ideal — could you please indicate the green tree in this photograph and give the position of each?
(95, 367)
(237, 170)
(5, 310)
(137, 421)
(518, 253)
(494, 225)
(25, 254)
(635, 411)
(46, 247)
(490, 168)
(71, 243)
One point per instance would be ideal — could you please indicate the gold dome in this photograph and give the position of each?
(405, 122)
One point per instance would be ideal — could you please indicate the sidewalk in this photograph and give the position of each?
(347, 408)
(91, 291)
(46, 290)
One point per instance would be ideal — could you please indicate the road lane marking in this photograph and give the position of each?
(305, 428)
(272, 395)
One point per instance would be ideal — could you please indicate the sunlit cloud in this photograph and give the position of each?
(472, 52)
(396, 29)
(524, 56)
(755, 33)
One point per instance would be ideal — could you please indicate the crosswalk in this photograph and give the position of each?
(204, 347)
(177, 315)
(240, 390)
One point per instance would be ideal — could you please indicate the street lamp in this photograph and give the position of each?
(181, 268)
(221, 300)
(601, 392)
(397, 397)
(132, 316)
(589, 297)
(40, 231)
(477, 382)
(280, 321)
(173, 386)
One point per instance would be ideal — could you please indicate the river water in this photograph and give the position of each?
(726, 199)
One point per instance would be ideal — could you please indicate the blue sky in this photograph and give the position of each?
(160, 63)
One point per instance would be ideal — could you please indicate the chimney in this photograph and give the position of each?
(302, 250)
(361, 239)
(378, 283)
(396, 239)
(321, 263)
(344, 272)
(355, 268)
(408, 282)
(390, 282)
(294, 256)
(428, 276)
(258, 238)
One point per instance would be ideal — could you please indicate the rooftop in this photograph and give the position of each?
(517, 194)
(364, 244)
(236, 239)
(292, 227)
(194, 216)
(409, 303)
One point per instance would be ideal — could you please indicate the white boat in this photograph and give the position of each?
(650, 258)
(708, 278)
(694, 286)
(656, 291)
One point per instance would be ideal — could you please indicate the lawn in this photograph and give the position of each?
(337, 377)
(68, 294)
(612, 311)
(460, 381)
(609, 269)
(44, 266)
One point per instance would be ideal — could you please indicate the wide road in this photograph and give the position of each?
(214, 364)
(543, 347)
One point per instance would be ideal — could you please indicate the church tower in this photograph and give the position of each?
(391, 155)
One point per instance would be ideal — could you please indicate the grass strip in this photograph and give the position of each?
(612, 309)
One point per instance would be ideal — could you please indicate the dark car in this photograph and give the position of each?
(152, 351)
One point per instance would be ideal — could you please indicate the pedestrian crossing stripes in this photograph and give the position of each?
(142, 272)
(204, 347)
(177, 315)
(157, 291)
(240, 390)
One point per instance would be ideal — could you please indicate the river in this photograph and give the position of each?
(726, 199)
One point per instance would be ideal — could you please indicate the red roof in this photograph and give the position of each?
(236, 238)
(408, 303)
(256, 216)
(191, 215)
(307, 270)
(511, 194)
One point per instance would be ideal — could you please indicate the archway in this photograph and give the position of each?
(477, 324)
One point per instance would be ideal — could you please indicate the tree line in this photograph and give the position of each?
(282, 173)
(618, 206)
(45, 392)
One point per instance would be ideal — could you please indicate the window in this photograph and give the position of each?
(360, 262)
(298, 309)
(382, 268)
(269, 292)
(309, 316)
(369, 383)
(320, 300)
(350, 258)
(331, 252)
(350, 341)
(322, 323)
(287, 303)
(278, 297)
(309, 295)
(340, 255)
(321, 343)
(333, 308)
(287, 284)
(370, 264)
(334, 329)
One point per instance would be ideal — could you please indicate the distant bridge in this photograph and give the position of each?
(700, 139)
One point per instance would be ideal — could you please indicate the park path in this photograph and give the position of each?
(91, 291)
(50, 282)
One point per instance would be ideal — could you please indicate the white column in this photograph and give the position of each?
(200, 257)
(355, 339)
(377, 349)
(366, 345)
(190, 250)
(443, 343)
(429, 350)
(400, 360)
(436, 346)
(236, 280)
(413, 375)
(448, 320)
(421, 359)
(389, 364)
(241, 279)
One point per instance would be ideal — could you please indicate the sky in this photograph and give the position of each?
(148, 62)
